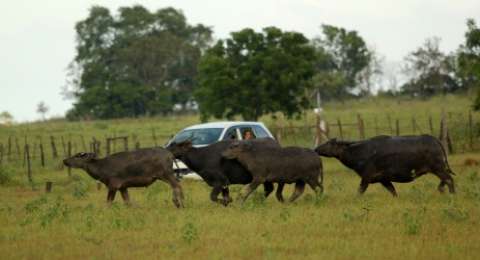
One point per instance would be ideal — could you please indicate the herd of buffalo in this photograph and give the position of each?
(381, 159)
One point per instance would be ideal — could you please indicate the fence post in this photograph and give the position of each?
(64, 147)
(84, 146)
(18, 147)
(389, 119)
(9, 148)
(54, 147)
(397, 127)
(108, 145)
(137, 145)
(361, 128)
(29, 168)
(69, 155)
(1, 153)
(444, 136)
(125, 143)
(318, 139)
(154, 137)
(430, 123)
(340, 128)
(48, 186)
(42, 155)
(470, 129)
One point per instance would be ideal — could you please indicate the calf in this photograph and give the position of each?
(138, 168)
(281, 165)
(217, 171)
(386, 159)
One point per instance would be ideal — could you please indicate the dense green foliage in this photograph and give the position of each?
(255, 73)
(135, 63)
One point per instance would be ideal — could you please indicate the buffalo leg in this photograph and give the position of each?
(363, 186)
(226, 196)
(389, 186)
(278, 194)
(268, 188)
(125, 196)
(177, 190)
(299, 188)
(445, 179)
(316, 186)
(214, 194)
(111, 196)
(248, 190)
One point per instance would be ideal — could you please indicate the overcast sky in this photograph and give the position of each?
(37, 38)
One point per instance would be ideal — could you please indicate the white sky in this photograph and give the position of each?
(37, 38)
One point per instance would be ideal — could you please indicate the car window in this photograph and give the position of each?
(199, 136)
(260, 132)
(231, 134)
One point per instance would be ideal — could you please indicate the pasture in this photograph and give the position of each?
(73, 221)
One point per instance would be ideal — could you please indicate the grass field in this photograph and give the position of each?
(73, 220)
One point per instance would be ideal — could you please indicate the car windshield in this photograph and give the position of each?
(202, 136)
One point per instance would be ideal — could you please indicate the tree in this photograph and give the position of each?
(469, 60)
(430, 70)
(42, 109)
(135, 63)
(255, 73)
(341, 56)
(6, 118)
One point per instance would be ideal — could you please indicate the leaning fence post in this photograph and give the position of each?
(444, 136)
(361, 128)
(154, 137)
(54, 147)
(125, 143)
(1, 153)
(69, 155)
(340, 131)
(42, 155)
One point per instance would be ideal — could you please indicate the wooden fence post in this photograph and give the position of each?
(137, 145)
(42, 155)
(470, 129)
(340, 131)
(125, 143)
(1, 153)
(63, 146)
(29, 167)
(361, 127)
(444, 136)
(389, 119)
(84, 146)
(18, 147)
(48, 186)
(318, 139)
(9, 148)
(154, 137)
(108, 145)
(54, 147)
(69, 155)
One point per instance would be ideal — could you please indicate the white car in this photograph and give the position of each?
(209, 133)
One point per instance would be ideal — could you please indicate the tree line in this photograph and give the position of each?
(138, 62)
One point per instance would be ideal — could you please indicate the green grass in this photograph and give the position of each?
(73, 221)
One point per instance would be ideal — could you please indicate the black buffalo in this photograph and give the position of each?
(217, 171)
(386, 159)
(276, 164)
(138, 168)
